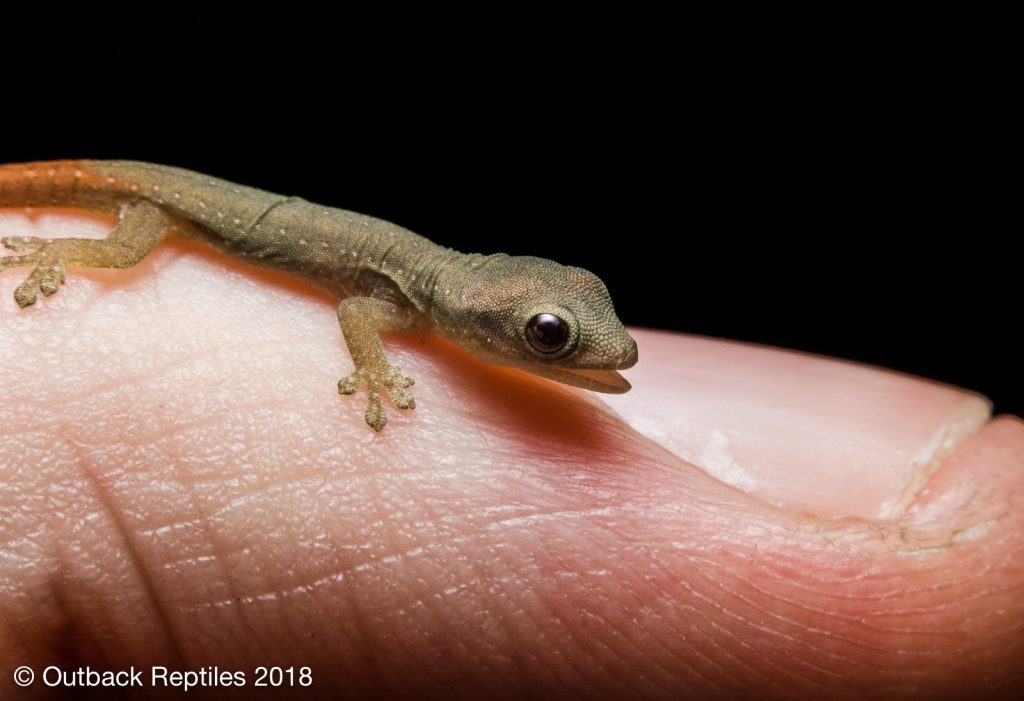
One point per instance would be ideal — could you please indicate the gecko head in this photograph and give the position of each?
(552, 320)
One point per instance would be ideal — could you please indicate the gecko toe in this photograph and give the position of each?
(22, 243)
(401, 399)
(13, 262)
(349, 384)
(396, 384)
(50, 279)
(25, 294)
(48, 286)
(375, 417)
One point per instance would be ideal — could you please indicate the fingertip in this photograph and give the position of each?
(821, 435)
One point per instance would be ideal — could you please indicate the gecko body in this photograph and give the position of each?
(532, 313)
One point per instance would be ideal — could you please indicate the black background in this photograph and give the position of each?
(845, 184)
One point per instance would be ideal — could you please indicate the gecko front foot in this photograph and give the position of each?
(392, 380)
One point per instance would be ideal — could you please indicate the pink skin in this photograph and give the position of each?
(182, 485)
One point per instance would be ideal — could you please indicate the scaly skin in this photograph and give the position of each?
(531, 313)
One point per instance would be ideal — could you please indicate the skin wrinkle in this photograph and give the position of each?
(743, 618)
(341, 581)
(380, 678)
(659, 565)
(268, 604)
(782, 675)
(622, 671)
(476, 663)
(802, 669)
(579, 657)
(162, 615)
(206, 556)
(116, 385)
(578, 639)
(805, 626)
(200, 427)
(485, 667)
(577, 663)
(663, 595)
(767, 612)
(850, 618)
(498, 527)
(635, 648)
(861, 621)
(18, 598)
(50, 417)
(481, 573)
(219, 553)
(801, 584)
(14, 631)
(281, 601)
(714, 641)
(547, 613)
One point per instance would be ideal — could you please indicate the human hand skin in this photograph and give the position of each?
(182, 486)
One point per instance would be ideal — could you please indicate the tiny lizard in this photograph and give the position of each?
(530, 313)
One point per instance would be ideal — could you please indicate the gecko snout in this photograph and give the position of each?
(627, 358)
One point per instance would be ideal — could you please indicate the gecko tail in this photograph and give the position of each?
(69, 183)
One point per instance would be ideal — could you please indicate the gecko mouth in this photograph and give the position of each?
(596, 380)
(607, 381)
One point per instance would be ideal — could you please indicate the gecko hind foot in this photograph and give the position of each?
(47, 276)
(393, 381)
(139, 229)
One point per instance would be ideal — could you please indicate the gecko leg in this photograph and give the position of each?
(362, 319)
(139, 229)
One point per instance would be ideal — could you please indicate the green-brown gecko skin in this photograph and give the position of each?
(530, 313)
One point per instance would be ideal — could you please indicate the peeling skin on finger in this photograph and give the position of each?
(965, 422)
(813, 434)
(717, 459)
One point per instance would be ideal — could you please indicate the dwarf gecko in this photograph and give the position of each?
(530, 313)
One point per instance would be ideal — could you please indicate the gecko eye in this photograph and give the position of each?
(547, 333)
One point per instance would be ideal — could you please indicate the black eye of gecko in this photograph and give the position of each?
(547, 333)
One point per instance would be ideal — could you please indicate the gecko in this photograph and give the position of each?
(552, 320)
